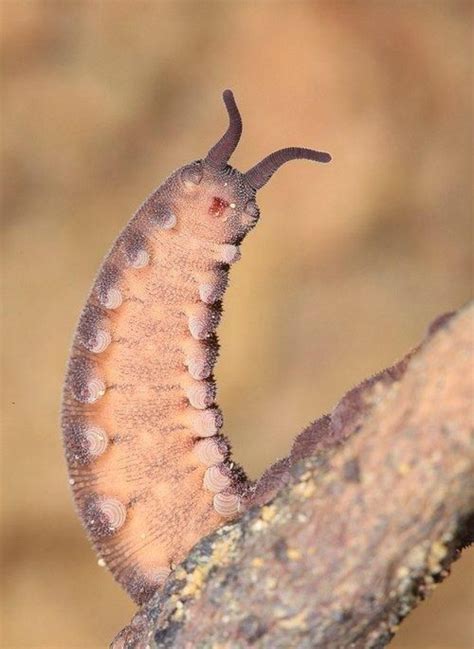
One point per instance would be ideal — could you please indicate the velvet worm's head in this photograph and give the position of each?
(220, 204)
(220, 199)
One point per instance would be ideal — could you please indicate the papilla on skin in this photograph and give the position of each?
(150, 471)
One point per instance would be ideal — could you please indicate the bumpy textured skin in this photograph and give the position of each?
(151, 428)
(150, 472)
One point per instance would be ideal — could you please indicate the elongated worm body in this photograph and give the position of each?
(150, 471)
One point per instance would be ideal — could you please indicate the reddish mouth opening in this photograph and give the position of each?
(218, 206)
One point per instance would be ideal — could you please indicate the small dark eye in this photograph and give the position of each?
(192, 174)
(251, 209)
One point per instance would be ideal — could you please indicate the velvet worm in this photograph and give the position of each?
(150, 471)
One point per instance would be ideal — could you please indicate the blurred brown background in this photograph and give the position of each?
(348, 265)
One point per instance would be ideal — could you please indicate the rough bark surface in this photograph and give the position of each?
(357, 533)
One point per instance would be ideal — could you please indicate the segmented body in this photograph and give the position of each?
(140, 424)
(150, 471)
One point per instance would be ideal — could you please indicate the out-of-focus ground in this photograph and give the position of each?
(348, 265)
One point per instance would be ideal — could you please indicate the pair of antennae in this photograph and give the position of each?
(258, 175)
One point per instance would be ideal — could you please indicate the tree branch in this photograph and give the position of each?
(360, 531)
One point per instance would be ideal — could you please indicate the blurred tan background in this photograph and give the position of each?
(348, 265)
